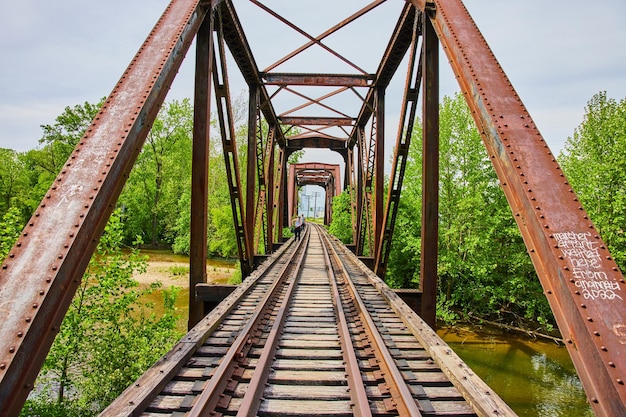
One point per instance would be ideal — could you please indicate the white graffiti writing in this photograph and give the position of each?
(586, 262)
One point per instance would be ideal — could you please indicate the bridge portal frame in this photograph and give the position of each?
(36, 286)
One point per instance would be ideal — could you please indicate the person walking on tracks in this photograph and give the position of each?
(297, 227)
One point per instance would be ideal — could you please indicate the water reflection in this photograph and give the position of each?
(535, 378)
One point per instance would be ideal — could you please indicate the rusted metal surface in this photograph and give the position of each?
(430, 175)
(43, 270)
(211, 395)
(401, 151)
(333, 80)
(326, 176)
(229, 149)
(200, 169)
(400, 391)
(580, 278)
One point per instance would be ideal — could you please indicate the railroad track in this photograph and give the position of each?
(311, 333)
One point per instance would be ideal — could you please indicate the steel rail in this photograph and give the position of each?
(254, 394)
(358, 395)
(400, 392)
(137, 397)
(206, 402)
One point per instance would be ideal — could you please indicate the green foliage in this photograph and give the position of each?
(483, 267)
(10, 227)
(594, 160)
(341, 224)
(161, 173)
(109, 335)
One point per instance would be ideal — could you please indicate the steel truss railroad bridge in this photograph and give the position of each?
(389, 351)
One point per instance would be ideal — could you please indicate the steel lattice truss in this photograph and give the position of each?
(335, 103)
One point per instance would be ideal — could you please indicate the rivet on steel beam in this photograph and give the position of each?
(583, 305)
(3, 365)
(572, 280)
(611, 364)
(35, 305)
(566, 268)
(549, 291)
(603, 348)
(619, 381)
(596, 333)
(28, 319)
(20, 334)
(589, 319)
(12, 349)
(594, 400)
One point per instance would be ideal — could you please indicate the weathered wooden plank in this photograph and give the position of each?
(277, 408)
(307, 392)
(309, 364)
(307, 354)
(308, 344)
(308, 377)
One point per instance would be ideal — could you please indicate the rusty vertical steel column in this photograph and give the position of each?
(351, 178)
(360, 191)
(430, 173)
(379, 173)
(279, 193)
(251, 169)
(269, 187)
(291, 193)
(229, 146)
(200, 168)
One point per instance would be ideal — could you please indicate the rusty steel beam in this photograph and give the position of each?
(316, 121)
(328, 80)
(379, 172)
(581, 280)
(229, 149)
(254, 168)
(401, 151)
(318, 40)
(430, 174)
(270, 178)
(279, 193)
(396, 50)
(242, 54)
(44, 268)
(200, 169)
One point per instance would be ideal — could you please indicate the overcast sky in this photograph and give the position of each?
(557, 53)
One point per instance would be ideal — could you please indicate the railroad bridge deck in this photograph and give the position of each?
(312, 332)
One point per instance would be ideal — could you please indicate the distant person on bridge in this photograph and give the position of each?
(297, 226)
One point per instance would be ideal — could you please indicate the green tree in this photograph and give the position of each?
(594, 160)
(10, 227)
(151, 195)
(341, 224)
(483, 266)
(109, 335)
